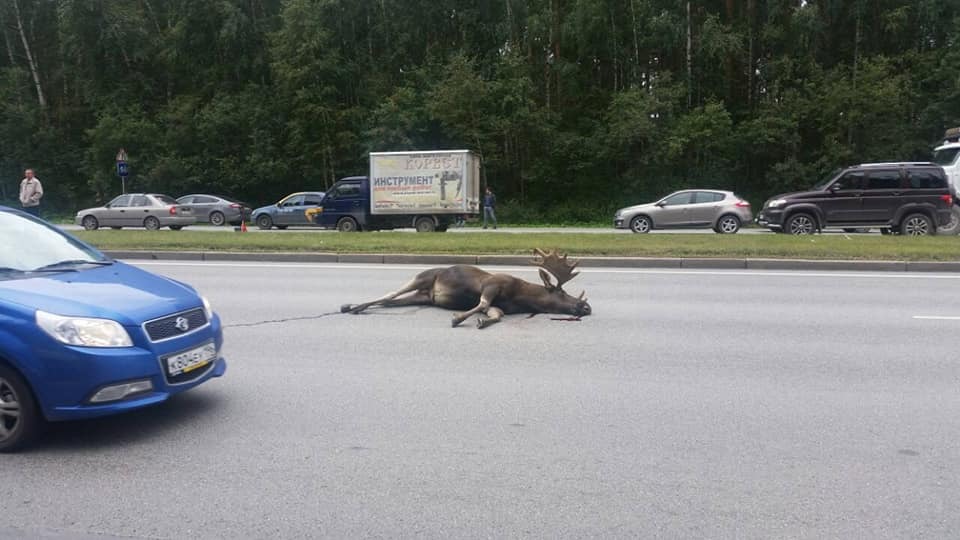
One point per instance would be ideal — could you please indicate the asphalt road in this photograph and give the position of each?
(708, 404)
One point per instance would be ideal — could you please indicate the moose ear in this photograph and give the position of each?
(546, 280)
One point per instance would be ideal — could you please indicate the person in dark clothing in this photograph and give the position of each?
(489, 208)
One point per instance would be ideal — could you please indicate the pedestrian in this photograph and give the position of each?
(30, 193)
(489, 208)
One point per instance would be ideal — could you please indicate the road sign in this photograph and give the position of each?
(122, 155)
(122, 168)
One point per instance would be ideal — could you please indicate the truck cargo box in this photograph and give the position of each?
(434, 182)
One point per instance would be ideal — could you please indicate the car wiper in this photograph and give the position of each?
(61, 266)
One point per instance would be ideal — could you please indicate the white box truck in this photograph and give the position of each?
(424, 190)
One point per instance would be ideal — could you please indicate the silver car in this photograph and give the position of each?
(148, 210)
(215, 209)
(722, 211)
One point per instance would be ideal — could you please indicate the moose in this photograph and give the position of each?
(468, 288)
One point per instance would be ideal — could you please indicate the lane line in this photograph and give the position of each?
(936, 317)
(899, 275)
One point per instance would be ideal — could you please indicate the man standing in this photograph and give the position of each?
(30, 193)
(489, 208)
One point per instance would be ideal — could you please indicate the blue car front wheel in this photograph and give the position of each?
(20, 419)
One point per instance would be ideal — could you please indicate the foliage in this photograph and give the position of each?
(576, 107)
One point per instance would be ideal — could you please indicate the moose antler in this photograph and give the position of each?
(557, 265)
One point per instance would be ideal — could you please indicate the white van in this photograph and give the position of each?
(947, 156)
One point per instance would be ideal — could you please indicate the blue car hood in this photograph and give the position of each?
(120, 292)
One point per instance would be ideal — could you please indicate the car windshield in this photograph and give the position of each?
(945, 156)
(31, 245)
(823, 183)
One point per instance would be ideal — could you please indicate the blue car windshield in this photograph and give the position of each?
(30, 245)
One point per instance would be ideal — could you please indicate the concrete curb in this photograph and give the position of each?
(516, 260)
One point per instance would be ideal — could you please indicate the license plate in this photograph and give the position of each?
(188, 361)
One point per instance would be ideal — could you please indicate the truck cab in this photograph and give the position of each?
(346, 205)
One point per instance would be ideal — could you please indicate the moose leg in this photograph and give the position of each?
(493, 315)
(487, 296)
(414, 284)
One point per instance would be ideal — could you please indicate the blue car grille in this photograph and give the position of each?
(172, 326)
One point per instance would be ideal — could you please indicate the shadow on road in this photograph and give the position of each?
(162, 420)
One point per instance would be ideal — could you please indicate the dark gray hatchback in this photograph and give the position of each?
(900, 198)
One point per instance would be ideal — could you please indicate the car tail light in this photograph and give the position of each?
(947, 199)
(173, 210)
(234, 205)
(743, 204)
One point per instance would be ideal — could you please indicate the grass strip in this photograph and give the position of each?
(839, 247)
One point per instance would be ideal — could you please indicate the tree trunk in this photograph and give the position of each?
(689, 58)
(34, 70)
(636, 43)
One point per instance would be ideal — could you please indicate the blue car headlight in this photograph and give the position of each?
(207, 310)
(82, 331)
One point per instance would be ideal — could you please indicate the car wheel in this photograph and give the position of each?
(917, 225)
(953, 227)
(151, 223)
(800, 224)
(217, 219)
(641, 224)
(347, 224)
(176, 227)
(20, 419)
(265, 222)
(728, 225)
(425, 224)
(90, 223)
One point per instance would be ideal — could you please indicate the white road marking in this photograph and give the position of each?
(899, 275)
(936, 317)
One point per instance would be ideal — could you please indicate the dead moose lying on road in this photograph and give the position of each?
(464, 287)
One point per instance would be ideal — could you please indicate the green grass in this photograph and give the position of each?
(873, 247)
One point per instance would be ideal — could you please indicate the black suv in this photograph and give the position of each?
(900, 198)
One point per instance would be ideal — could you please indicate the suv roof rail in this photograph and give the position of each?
(899, 164)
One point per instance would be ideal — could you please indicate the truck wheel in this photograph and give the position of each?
(347, 224)
(425, 224)
(20, 419)
(917, 225)
(264, 222)
(954, 226)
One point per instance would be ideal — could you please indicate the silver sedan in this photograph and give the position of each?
(722, 211)
(148, 210)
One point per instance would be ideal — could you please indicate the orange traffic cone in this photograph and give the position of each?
(243, 225)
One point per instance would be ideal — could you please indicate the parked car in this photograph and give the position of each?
(84, 335)
(722, 211)
(900, 198)
(148, 210)
(216, 210)
(289, 210)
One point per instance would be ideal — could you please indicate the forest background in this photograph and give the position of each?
(576, 106)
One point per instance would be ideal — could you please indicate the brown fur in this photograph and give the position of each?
(471, 290)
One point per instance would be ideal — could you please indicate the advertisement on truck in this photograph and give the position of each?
(410, 183)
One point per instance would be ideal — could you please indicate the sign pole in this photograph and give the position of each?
(122, 170)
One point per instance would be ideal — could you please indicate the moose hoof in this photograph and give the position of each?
(483, 322)
(345, 308)
(455, 322)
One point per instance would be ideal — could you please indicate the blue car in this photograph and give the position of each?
(290, 210)
(82, 335)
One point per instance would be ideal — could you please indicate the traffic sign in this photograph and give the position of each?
(122, 155)
(122, 168)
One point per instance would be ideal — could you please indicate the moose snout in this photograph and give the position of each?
(583, 309)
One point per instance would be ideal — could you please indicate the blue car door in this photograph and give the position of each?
(345, 199)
